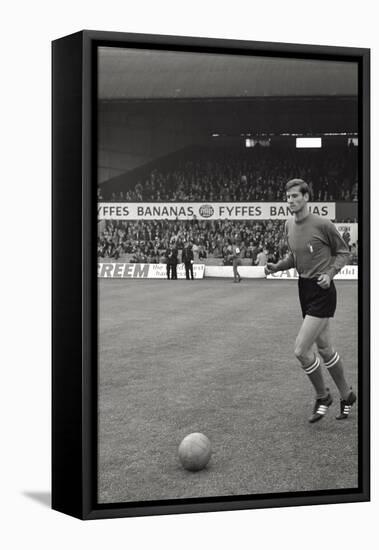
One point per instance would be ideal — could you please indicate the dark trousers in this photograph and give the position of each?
(189, 270)
(171, 269)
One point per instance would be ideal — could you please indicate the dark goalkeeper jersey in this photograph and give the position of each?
(315, 247)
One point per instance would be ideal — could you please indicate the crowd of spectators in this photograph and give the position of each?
(258, 174)
(253, 175)
(147, 241)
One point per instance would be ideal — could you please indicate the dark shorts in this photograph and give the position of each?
(315, 300)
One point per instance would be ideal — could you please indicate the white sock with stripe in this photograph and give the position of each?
(313, 366)
(332, 361)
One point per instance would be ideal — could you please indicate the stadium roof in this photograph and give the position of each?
(128, 74)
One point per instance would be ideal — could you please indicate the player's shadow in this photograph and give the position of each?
(41, 497)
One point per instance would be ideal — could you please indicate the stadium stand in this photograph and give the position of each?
(146, 241)
(227, 175)
(258, 174)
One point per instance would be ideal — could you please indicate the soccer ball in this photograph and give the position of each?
(195, 451)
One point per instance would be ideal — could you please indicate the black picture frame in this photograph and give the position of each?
(74, 291)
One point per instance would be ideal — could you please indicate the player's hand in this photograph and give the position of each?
(270, 268)
(324, 281)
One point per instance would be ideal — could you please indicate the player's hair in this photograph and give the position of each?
(303, 186)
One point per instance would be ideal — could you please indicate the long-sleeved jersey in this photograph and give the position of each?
(315, 247)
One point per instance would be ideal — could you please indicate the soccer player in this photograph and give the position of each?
(318, 252)
(236, 257)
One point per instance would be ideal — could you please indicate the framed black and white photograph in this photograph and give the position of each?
(211, 281)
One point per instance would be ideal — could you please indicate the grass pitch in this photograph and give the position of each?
(211, 356)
